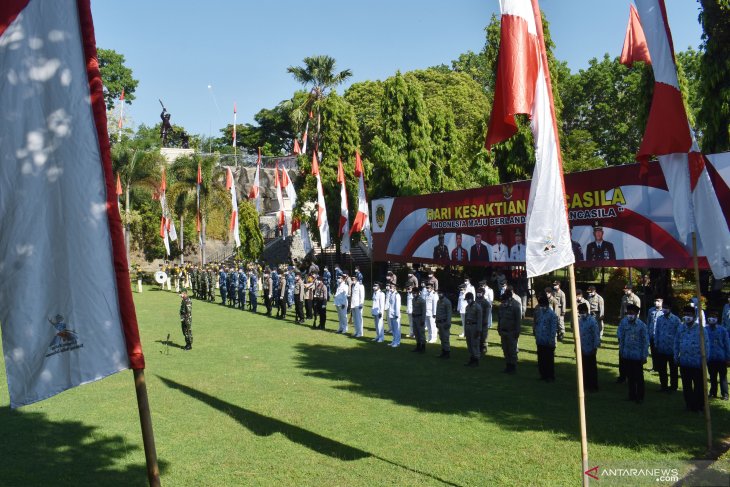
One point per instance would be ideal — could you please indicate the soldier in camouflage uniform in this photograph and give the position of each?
(186, 319)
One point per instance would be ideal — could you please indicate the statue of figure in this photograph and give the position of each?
(166, 126)
(185, 140)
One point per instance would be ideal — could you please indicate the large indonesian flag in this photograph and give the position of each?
(344, 231)
(65, 301)
(324, 227)
(280, 215)
(635, 48)
(254, 193)
(362, 218)
(669, 136)
(523, 86)
(231, 186)
(291, 193)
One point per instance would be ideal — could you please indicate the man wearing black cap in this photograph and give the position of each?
(499, 249)
(627, 300)
(599, 249)
(687, 355)
(473, 329)
(441, 251)
(509, 327)
(320, 297)
(419, 320)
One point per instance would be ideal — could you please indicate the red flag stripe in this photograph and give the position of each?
(124, 291)
(635, 46)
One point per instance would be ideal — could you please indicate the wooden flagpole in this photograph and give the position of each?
(579, 371)
(148, 437)
(703, 352)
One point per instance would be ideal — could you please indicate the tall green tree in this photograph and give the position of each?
(249, 232)
(320, 74)
(402, 153)
(365, 98)
(115, 77)
(714, 113)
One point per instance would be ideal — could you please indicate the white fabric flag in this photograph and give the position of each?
(322, 223)
(523, 86)
(669, 136)
(306, 241)
(362, 218)
(65, 300)
(344, 211)
(231, 186)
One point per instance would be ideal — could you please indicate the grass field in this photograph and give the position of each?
(259, 401)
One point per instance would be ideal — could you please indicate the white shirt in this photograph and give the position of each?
(517, 253)
(394, 306)
(470, 289)
(341, 294)
(432, 300)
(489, 294)
(499, 253)
(378, 303)
(461, 305)
(358, 295)
(409, 303)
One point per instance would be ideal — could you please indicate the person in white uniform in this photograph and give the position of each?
(356, 302)
(377, 312)
(431, 302)
(394, 314)
(341, 304)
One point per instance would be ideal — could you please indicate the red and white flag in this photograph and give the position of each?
(635, 48)
(344, 231)
(234, 124)
(297, 150)
(280, 214)
(198, 182)
(119, 186)
(669, 136)
(291, 193)
(362, 218)
(231, 187)
(167, 226)
(254, 193)
(59, 223)
(523, 87)
(322, 223)
(304, 138)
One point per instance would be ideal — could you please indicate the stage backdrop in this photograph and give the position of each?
(617, 219)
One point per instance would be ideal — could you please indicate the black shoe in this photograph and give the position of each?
(474, 363)
(417, 349)
(444, 355)
(470, 362)
(511, 369)
(620, 380)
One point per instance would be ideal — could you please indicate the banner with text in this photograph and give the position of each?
(616, 218)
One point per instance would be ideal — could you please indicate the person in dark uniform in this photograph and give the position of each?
(472, 329)
(478, 251)
(577, 250)
(222, 278)
(599, 249)
(186, 319)
(419, 320)
(441, 251)
(459, 255)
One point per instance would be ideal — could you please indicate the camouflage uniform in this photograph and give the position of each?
(186, 320)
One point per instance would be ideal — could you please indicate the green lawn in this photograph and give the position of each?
(259, 401)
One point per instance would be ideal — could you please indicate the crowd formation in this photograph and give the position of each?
(672, 340)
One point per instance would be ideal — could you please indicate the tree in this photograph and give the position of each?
(402, 152)
(319, 73)
(365, 98)
(116, 77)
(714, 86)
(688, 69)
(252, 241)
(580, 152)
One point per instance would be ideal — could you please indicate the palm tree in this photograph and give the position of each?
(182, 192)
(319, 73)
(137, 168)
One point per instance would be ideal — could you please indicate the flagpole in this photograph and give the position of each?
(703, 352)
(579, 370)
(148, 437)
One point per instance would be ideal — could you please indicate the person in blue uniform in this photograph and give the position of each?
(633, 343)
(687, 355)
(590, 340)
(718, 355)
(545, 330)
(222, 278)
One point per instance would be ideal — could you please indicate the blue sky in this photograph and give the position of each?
(177, 48)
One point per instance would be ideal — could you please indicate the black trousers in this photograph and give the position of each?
(692, 388)
(653, 353)
(717, 370)
(252, 300)
(320, 311)
(621, 368)
(298, 308)
(267, 302)
(223, 291)
(635, 375)
(590, 372)
(282, 308)
(546, 362)
(661, 362)
(308, 308)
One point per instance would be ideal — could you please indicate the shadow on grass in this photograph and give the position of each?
(170, 343)
(37, 451)
(261, 425)
(514, 402)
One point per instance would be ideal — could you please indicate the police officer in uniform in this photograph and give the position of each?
(267, 289)
(186, 319)
(441, 251)
(510, 321)
(473, 329)
(599, 249)
(633, 345)
(253, 290)
(222, 277)
(486, 306)
(443, 323)
(419, 320)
